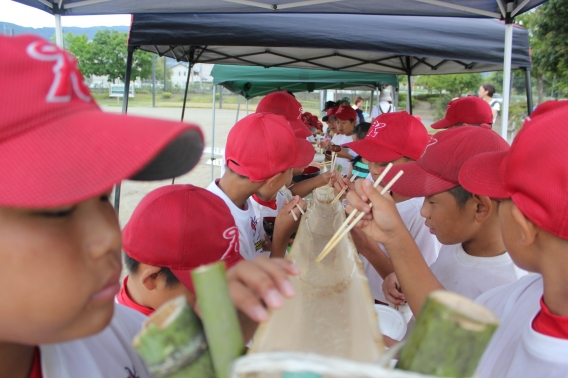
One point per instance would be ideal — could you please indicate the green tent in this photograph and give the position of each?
(252, 81)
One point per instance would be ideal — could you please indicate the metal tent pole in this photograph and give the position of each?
(153, 80)
(213, 134)
(185, 98)
(371, 103)
(238, 108)
(409, 94)
(124, 111)
(528, 85)
(507, 72)
(58, 31)
(247, 105)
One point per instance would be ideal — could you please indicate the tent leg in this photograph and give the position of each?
(238, 108)
(58, 31)
(221, 98)
(247, 105)
(507, 77)
(371, 102)
(409, 95)
(184, 100)
(213, 133)
(528, 85)
(124, 111)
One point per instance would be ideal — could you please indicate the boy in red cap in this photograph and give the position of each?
(395, 138)
(466, 111)
(157, 254)
(346, 117)
(473, 258)
(530, 179)
(260, 154)
(59, 235)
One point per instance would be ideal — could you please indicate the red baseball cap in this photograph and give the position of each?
(316, 122)
(534, 173)
(284, 104)
(307, 119)
(345, 113)
(392, 136)
(263, 144)
(181, 227)
(59, 148)
(437, 169)
(471, 110)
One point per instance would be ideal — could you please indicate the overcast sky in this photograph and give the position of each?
(22, 15)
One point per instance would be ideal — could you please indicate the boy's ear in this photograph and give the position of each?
(148, 276)
(270, 182)
(527, 229)
(484, 208)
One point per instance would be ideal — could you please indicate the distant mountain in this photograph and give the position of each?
(47, 33)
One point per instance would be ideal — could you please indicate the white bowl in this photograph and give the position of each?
(391, 322)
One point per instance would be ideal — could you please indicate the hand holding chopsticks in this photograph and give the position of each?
(337, 197)
(355, 216)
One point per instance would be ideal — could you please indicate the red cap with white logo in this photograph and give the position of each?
(181, 227)
(470, 110)
(263, 144)
(392, 136)
(284, 104)
(533, 173)
(58, 148)
(438, 168)
(345, 113)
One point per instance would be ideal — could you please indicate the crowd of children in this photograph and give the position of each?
(470, 215)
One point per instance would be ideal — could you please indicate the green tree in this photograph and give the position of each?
(79, 46)
(108, 53)
(453, 85)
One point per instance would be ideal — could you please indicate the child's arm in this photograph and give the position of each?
(256, 285)
(303, 188)
(344, 153)
(285, 226)
(373, 253)
(384, 225)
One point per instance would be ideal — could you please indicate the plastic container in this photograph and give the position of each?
(391, 322)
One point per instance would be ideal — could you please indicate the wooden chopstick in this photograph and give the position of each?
(286, 194)
(354, 212)
(337, 197)
(340, 234)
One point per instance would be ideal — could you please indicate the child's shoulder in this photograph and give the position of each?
(106, 354)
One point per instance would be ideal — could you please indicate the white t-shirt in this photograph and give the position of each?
(345, 164)
(516, 349)
(106, 354)
(495, 106)
(262, 211)
(472, 276)
(427, 243)
(385, 107)
(247, 223)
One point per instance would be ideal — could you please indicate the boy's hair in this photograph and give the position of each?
(490, 88)
(133, 265)
(361, 130)
(328, 104)
(358, 99)
(460, 195)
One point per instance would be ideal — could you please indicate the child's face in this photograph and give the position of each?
(60, 271)
(346, 127)
(450, 223)
(333, 125)
(377, 168)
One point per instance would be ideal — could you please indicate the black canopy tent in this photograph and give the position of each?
(401, 45)
(445, 8)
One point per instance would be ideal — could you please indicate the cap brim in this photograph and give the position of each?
(300, 129)
(441, 124)
(373, 151)
(83, 155)
(482, 175)
(416, 182)
(305, 153)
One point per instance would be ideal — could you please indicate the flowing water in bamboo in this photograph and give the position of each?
(332, 313)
